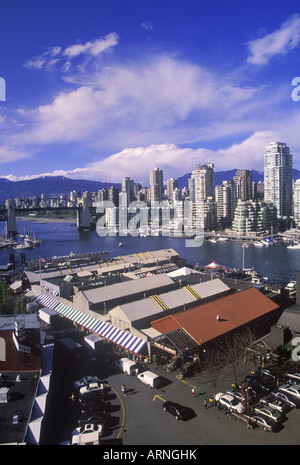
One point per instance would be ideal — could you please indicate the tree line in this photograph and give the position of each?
(8, 304)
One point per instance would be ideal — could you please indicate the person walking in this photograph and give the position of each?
(193, 392)
(205, 403)
(123, 387)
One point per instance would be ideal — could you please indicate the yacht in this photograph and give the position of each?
(291, 286)
(294, 247)
(258, 244)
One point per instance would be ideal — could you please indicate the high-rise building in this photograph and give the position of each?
(156, 185)
(127, 194)
(253, 217)
(297, 202)
(226, 202)
(202, 183)
(172, 184)
(243, 184)
(278, 177)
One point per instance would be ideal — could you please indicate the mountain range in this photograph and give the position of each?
(60, 185)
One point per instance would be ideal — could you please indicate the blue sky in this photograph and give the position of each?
(103, 89)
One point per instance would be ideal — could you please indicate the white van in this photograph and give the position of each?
(149, 378)
(126, 365)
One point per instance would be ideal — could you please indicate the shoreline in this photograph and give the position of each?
(36, 219)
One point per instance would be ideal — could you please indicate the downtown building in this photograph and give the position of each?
(297, 202)
(202, 196)
(278, 177)
(156, 185)
(254, 218)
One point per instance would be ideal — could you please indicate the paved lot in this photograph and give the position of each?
(138, 418)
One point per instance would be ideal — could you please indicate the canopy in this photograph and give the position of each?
(213, 266)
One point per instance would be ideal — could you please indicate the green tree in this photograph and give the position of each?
(7, 302)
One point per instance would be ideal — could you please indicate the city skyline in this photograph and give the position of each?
(105, 91)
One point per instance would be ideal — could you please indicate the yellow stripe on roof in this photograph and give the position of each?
(192, 292)
(159, 302)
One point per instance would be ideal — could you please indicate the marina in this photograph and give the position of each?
(274, 259)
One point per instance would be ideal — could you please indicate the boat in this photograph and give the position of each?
(294, 247)
(24, 245)
(222, 239)
(291, 286)
(258, 244)
(213, 241)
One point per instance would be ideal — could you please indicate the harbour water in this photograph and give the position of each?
(58, 239)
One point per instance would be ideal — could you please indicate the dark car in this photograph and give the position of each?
(175, 409)
(88, 406)
(92, 396)
(257, 386)
(96, 418)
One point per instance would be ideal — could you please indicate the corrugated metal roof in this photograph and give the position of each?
(171, 300)
(119, 290)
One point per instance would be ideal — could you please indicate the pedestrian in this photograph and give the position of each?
(205, 403)
(193, 392)
(123, 387)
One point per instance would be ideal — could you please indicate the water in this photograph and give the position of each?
(61, 239)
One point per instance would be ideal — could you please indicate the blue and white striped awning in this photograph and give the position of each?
(122, 338)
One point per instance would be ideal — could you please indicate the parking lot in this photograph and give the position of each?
(139, 419)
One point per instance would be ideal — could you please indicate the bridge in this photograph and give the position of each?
(9, 211)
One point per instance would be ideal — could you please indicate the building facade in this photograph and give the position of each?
(156, 185)
(278, 177)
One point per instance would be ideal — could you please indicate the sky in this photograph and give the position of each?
(104, 89)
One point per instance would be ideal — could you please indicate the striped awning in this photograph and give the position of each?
(122, 338)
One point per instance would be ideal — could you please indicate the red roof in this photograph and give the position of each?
(233, 311)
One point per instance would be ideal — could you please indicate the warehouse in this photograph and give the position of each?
(202, 326)
(104, 298)
(140, 313)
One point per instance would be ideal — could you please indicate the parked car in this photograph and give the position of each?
(238, 395)
(269, 413)
(268, 377)
(292, 379)
(266, 423)
(87, 434)
(175, 409)
(257, 386)
(84, 381)
(288, 399)
(230, 402)
(96, 418)
(274, 402)
(292, 389)
(91, 406)
(92, 387)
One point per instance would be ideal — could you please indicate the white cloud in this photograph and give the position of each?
(147, 25)
(9, 154)
(51, 57)
(279, 42)
(175, 161)
(139, 104)
(45, 60)
(92, 48)
(137, 162)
